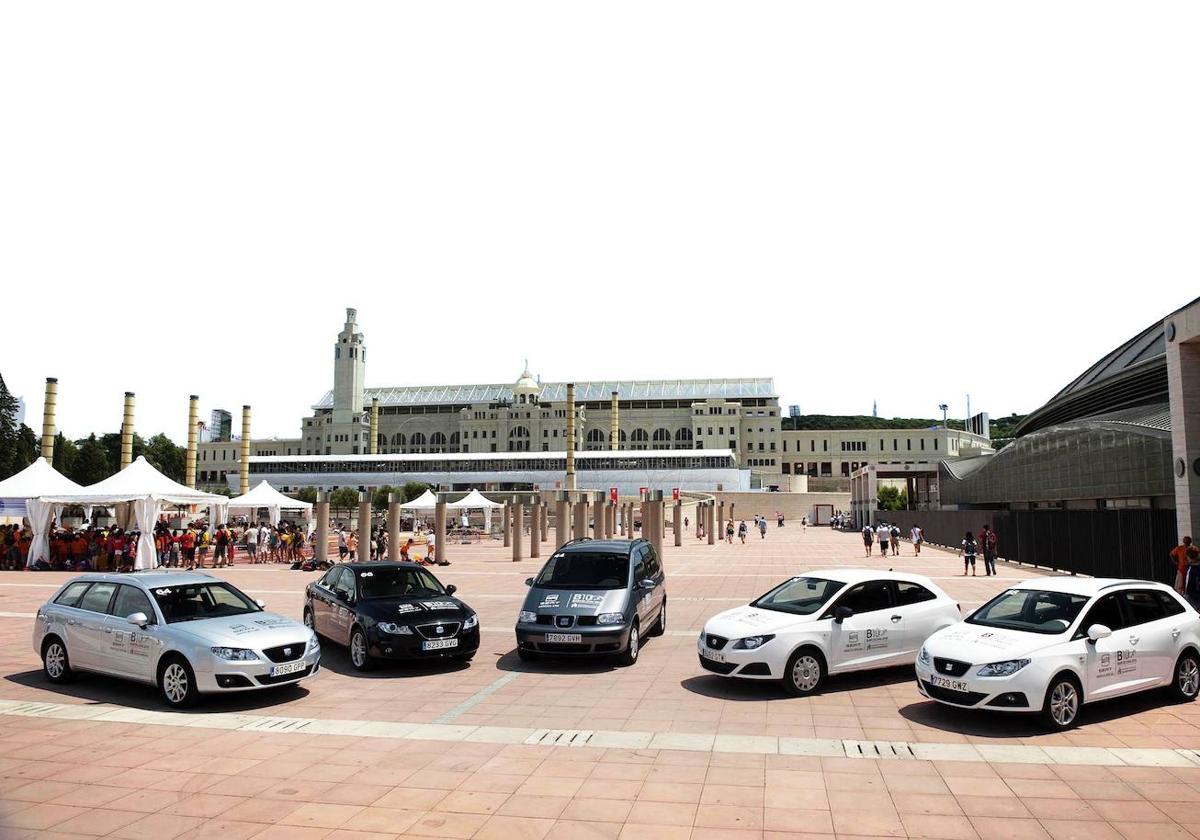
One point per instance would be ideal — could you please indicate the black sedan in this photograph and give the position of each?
(390, 611)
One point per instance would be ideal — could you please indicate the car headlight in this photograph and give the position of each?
(610, 618)
(527, 617)
(394, 629)
(751, 642)
(234, 654)
(1002, 669)
(472, 622)
(924, 658)
(313, 642)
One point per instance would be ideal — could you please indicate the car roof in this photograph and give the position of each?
(379, 565)
(850, 575)
(149, 580)
(614, 546)
(1084, 585)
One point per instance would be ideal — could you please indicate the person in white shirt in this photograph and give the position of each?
(251, 537)
(883, 534)
(918, 536)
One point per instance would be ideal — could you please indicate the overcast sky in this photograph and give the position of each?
(902, 202)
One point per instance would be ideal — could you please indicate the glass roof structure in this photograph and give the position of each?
(648, 389)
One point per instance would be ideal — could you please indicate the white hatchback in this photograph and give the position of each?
(1049, 645)
(826, 622)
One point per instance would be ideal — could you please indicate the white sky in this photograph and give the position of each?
(895, 201)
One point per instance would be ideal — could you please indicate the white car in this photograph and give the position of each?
(826, 622)
(186, 632)
(1050, 645)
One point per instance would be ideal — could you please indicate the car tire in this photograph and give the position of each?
(1186, 683)
(1064, 698)
(804, 673)
(310, 622)
(527, 655)
(360, 650)
(177, 682)
(56, 664)
(660, 626)
(633, 648)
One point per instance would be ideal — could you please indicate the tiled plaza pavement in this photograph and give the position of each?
(65, 777)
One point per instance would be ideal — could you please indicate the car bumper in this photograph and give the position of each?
(222, 676)
(1001, 694)
(749, 664)
(403, 646)
(590, 641)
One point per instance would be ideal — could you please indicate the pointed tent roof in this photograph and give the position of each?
(263, 495)
(38, 479)
(474, 501)
(426, 501)
(140, 480)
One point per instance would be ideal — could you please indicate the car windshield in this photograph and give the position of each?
(799, 596)
(584, 570)
(195, 601)
(1030, 610)
(397, 582)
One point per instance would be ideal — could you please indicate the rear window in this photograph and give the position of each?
(584, 570)
(97, 597)
(912, 593)
(71, 595)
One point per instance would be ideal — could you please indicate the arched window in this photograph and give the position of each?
(639, 439)
(398, 440)
(595, 439)
(454, 441)
(381, 442)
(683, 438)
(662, 438)
(417, 442)
(518, 439)
(437, 442)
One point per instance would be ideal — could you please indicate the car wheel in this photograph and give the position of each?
(55, 662)
(360, 654)
(660, 626)
(310, 622)
(805, 672)
(527, 655)
(630, 655)
(1061, 707)
(1186, 685)
(177, 683)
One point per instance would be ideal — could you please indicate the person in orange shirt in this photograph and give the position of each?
(1183, 554)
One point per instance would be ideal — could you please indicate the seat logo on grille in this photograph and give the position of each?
(947, 667)
(287, 651)
(441, 629)
(564, 621)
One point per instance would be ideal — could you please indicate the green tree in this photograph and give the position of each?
(91, 463)
(892, 498)
(379, 501)
(112, 447)
(306, 494)
(10, 461)
(412, 489)
(166, 457)
(65, 454)
(343, 498)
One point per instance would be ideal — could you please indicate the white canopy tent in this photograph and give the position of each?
(263, 495)
(145, 490)
(426, 501)
(37, 480)
(477, 501)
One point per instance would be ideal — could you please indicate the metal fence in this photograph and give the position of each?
(1131, 543)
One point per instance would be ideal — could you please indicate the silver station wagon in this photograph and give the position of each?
(185, 632)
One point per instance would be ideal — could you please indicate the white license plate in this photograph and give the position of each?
(439, 644)
(945, 682)
(713, 655)
(565, 638)
(289, 668)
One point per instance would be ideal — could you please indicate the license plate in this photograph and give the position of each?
(713, 655)
(565, 638)
(439, 644)
(289, 668)
(952, 685)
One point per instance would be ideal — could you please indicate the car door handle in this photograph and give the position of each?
(108, 630)
(1175, 633)
(896, 618)
(71, 622)
(1133, 640)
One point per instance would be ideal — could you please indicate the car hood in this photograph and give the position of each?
(412, 609)
(751, 621)
(576, 601)
(256, 630)
(979, 645)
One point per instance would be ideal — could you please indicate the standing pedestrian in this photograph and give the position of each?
(883, 534)
(918, 537)
(729, 532)
(988, 542)
(868, 535)
(968, 551)
(895, 540)
(742, 532)
(343, 548)
(1182, 554)
(762, 527)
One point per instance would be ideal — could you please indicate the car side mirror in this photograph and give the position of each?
(841, 614)
(647, 584)
(529, 581)
(138, 618)
(261, 603)
(1097, 632)
(451, 589)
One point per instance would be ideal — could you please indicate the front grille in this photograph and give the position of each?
(586, 621)
(269, 680)
(950, 667)
(717, 667)
(430, 631)
(545, 619)
(559, 647)
(715, 642)
(959, 698)
(285, 653)
(564, 620)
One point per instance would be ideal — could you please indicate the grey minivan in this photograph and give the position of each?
(594, 597)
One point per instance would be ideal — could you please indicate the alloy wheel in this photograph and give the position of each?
(1188, 677)
(806, 673)
(358, 650)
(56, 660)
(1064, 703)
(175, 683)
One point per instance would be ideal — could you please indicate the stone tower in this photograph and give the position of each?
(349, 369)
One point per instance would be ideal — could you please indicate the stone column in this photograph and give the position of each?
(127, 432)
(545, 521)
(721, 517)
(364, 522)
(710, 522)
(244, 467)
(535, 528)
(679, 523)
(439, 530)
(599, 514)
(581, 518)
(373, 449)
(562, 518)
(610, 515)
(699, 514)
(189, 474)
(322, 514)
(49, 410)
(506, 520)
(393, 527)
(656, 505)
(518, 528)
